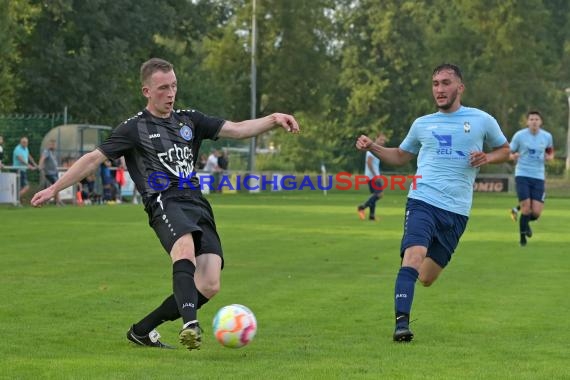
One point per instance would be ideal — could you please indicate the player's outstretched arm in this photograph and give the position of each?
(392, 156)
(79, 170)
(254, 127)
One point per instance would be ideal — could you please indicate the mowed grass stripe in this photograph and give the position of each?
(319, 280)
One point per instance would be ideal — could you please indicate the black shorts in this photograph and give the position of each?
(175, 213)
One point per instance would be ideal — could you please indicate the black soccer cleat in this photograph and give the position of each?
(149, 340)
(191, 335)
(403, 334)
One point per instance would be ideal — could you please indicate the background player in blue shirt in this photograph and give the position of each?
(449, 149)
(371, 170)
(530, 148)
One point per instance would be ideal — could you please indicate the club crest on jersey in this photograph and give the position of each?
(466, 127)
(186, 132)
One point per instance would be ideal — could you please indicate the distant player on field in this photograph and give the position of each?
(161, 146)
(449, 147)
(372, 170)
(530, 147)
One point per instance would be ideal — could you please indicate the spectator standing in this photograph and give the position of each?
(22, 160)
(213, 168)
(107, 180)
(224, 161)
(48, 167)
(201, 163)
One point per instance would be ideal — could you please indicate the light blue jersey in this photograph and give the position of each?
(443, 142)
(531, 149)
(375, 165)
(24, 153)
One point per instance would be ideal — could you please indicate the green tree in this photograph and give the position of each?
(85, 55)
(295, 64)
(384, 72)
(507, 62)
(343, 67)
(16, 25)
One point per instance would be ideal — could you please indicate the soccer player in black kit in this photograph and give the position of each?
(160, 146)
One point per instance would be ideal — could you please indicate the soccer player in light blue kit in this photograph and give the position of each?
(530, 147)
(375, 185)
(449, 145)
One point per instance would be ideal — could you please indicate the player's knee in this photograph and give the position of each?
(525, 209)
(426, 282)
(210, 288)
(427, 279)
(414, 261)
(183, 254)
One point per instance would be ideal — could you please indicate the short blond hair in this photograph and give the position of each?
(152, 66)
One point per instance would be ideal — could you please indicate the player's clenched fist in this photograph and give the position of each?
(364, 142)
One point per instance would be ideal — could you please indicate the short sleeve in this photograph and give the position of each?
(119, 142)
(411, 142)
(206, 127)
(494, 136)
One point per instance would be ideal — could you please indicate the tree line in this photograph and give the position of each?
(343, 67)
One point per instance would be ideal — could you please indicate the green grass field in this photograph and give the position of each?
(319, 280)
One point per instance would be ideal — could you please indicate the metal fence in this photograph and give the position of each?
(33, 126)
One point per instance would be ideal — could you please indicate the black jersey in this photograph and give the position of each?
(164, 148)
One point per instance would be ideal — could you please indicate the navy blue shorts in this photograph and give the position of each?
(179, 212)
(432, 227)
(23, 178)
(530, 188)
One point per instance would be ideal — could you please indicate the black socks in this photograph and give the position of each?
(185, 289)
(167, 311)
